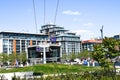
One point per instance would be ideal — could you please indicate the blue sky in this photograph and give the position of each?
(85, 17)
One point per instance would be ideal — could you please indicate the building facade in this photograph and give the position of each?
(89, 44)
(70, 42)
(116, 36)
(11, 42)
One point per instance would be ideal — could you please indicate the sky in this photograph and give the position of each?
(84, 17)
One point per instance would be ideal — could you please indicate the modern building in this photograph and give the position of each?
(43, 53)
(88, 44)
(117, 36)
(12, 42)
(70, 42)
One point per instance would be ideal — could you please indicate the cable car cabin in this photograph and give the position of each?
(44, 53)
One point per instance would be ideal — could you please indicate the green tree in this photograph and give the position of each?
(1, 57)
(22, 57)
(72, 56)
(64, 56)
(4, 57)
(84, 54)
(104, 52)
(12, 58)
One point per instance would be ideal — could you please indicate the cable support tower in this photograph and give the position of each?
(101, 30)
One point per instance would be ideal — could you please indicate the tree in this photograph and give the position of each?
(12, 58)
(64, 56)
(84, 54)
(106, 51)
(21, 57)
(72, 56)
(4, 58)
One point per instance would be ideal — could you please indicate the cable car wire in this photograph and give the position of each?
(56, 11)
(44, 10)
(35, 15)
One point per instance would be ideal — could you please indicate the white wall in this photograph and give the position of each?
(8, 76)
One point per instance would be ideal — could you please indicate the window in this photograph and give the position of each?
(5, 41)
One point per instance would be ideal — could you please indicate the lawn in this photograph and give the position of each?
(51, 68)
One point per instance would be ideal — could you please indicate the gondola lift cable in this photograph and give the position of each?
(35, 15)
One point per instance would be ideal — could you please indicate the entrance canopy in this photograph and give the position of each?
(44, 53)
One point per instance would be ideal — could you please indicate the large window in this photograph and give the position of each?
(23, 45)
(18, 46)
(5, 41)
(5, 48)
(5, 45)
(34, 52)
(52, 53)
(34, 43)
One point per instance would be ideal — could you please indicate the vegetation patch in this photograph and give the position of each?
(51, 68)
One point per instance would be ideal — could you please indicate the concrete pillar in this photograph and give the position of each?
(88, 63)
(93, 63)
(44, 56)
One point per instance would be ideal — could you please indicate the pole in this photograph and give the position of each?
(44, 55)
(41, 57)
(88, 57)
(101, 30)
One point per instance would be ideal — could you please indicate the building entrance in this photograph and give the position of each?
(44, 53)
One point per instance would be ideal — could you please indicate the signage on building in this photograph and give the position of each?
(53, 39)
(39, 49)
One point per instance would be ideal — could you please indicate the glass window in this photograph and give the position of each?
(5, 41)
(5, 47)
(28, 42)
(34, 43)
(17, 41)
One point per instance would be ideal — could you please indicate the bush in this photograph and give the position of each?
(97, 75)
(37, 74)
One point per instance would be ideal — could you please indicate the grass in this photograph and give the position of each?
(51, 68)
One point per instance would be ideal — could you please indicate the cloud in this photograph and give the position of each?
(70, 12)
(77, 19)
(83, 32)
(88, 24)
